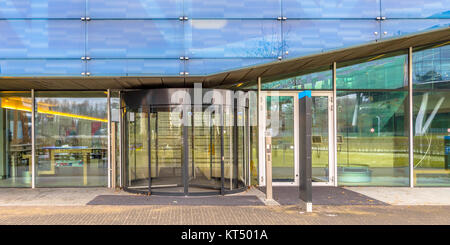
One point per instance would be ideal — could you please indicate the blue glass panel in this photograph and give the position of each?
(303, 37)
(416, 9)
(331, 8)
(135, 38)
(42, 38)
(233, 38)
(41, 67)
(392, 28)
(135, 8)
(232, 8)
(135, 67)
(211, 66)
(42, 8)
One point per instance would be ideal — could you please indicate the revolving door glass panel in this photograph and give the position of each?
(167, 147)
(202, 152)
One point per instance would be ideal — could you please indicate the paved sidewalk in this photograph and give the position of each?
(67, 206)
(225, 215)
(406, 195)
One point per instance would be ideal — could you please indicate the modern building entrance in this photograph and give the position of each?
(175, 146)
(279, 118)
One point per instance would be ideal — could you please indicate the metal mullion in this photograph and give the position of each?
(410, 120)
(335, 177)
(185, 156)
(122, 135)
(149, 142)
(235, 146)
(33, 141)
(109, 137)
(222, 160)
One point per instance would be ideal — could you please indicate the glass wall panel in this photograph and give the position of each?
(232, 9)
(39, 38)
(372, 138)
(135, 39)
(320, 139)
(71, 139)
(395, 28)
(204, 166)
(232, 38)
(431, 108)
(229, 165)
(137, 175)
(282, 134)
(41, 67)
(314, 80)
(135, 67)
(15, 139)
(42, 8)
(432, 138)
(431, 67)
(117, 9)
(253, 123)
(301, 37)
(375, 73)
(331, 8)
(415, 9)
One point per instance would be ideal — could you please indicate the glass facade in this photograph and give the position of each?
(71, 139)
(15, 139)
(147, 37)
(372, 110)
(431, 119)
(144, 38)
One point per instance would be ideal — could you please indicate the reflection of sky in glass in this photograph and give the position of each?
(133, 33)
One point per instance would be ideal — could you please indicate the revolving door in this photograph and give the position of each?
(177, 147)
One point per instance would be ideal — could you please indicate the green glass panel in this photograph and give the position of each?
(318, 80)
(372, 139)
(373, 73)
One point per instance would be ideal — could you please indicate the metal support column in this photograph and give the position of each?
(410, 119)
(222, 156)
(185, 157)
(235, 147)
(33, 140)
(149, 140)
(122, 135)
(108, 111)
(211, 145)
(335, 177)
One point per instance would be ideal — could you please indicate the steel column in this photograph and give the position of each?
(410, 119)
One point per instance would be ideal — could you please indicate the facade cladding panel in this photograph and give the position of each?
(144, 38)
(220, 33)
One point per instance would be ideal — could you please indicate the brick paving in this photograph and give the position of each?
(223, 215)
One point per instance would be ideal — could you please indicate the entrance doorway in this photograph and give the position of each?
(182, 148)
(279, 117)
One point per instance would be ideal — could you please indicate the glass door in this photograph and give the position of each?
(322, 139)
(279, 119)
